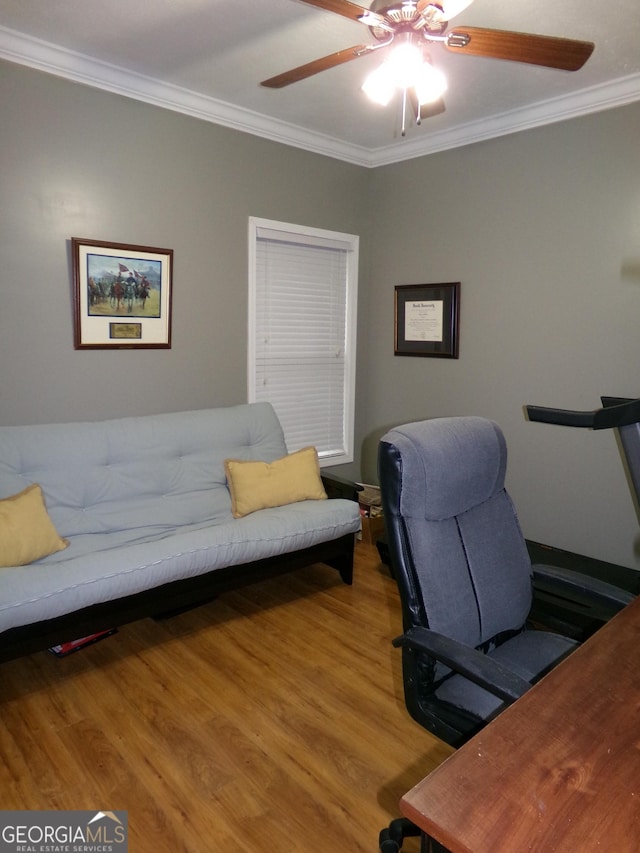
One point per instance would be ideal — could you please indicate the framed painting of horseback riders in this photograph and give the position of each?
(122, 295)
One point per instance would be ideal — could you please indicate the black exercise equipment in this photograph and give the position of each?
(621, 413)
(577, 617)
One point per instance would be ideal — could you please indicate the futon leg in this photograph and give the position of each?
(344, 564)
(347, 574)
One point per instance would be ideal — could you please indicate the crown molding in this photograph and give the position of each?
(615, 93)
(53, 59)
(79, 68)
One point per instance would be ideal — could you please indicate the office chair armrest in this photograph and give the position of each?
(474, 665)
(566, 582)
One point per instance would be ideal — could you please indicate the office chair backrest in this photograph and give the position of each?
(455, 543)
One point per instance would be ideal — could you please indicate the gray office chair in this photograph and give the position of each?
(465, 580)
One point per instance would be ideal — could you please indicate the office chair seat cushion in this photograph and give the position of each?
(530, 654)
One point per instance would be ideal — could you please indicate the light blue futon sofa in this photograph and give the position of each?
(145, 505)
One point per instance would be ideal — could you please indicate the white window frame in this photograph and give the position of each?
(302, 236)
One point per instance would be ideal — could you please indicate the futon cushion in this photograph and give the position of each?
(26, 531)
(260, 485)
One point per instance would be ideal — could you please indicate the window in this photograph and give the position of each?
(302, 333)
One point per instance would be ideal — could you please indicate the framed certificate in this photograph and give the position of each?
(427, 317)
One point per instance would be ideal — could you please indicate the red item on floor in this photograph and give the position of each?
(75, 645)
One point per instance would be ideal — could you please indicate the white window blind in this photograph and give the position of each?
(302, 310)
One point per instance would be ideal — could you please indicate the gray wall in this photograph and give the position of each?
(542, 228)
(78, 162)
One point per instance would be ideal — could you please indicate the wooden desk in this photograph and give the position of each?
(557, 771)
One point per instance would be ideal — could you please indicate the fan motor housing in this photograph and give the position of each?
(403, 16)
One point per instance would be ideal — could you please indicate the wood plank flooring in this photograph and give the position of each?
(271, 719)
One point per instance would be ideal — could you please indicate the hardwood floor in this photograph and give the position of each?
(271, 719)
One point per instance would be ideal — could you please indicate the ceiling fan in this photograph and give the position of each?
(413, 24)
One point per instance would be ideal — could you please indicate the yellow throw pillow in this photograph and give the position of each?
(258, 485)
(26, 531)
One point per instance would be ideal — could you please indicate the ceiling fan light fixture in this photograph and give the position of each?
(430, 84)
(399, 71)
(405, 68)
(379, 86)
(404, 64)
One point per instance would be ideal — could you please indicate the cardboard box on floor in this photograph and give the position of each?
(371, 513)
(372, 529)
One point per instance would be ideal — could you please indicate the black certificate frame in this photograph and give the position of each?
(427, 320)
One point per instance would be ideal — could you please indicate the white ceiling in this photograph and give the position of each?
(206, 58)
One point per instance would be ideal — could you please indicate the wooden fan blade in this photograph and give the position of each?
(311, 68)
(340, 7)
(552, 52)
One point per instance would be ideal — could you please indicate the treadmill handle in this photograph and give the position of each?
(562, 417)
(616, 412)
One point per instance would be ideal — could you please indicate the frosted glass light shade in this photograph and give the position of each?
(405, 69)
(404, 65)
(430, 84)
(379, 86)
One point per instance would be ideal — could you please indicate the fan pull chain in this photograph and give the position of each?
(404, 111)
